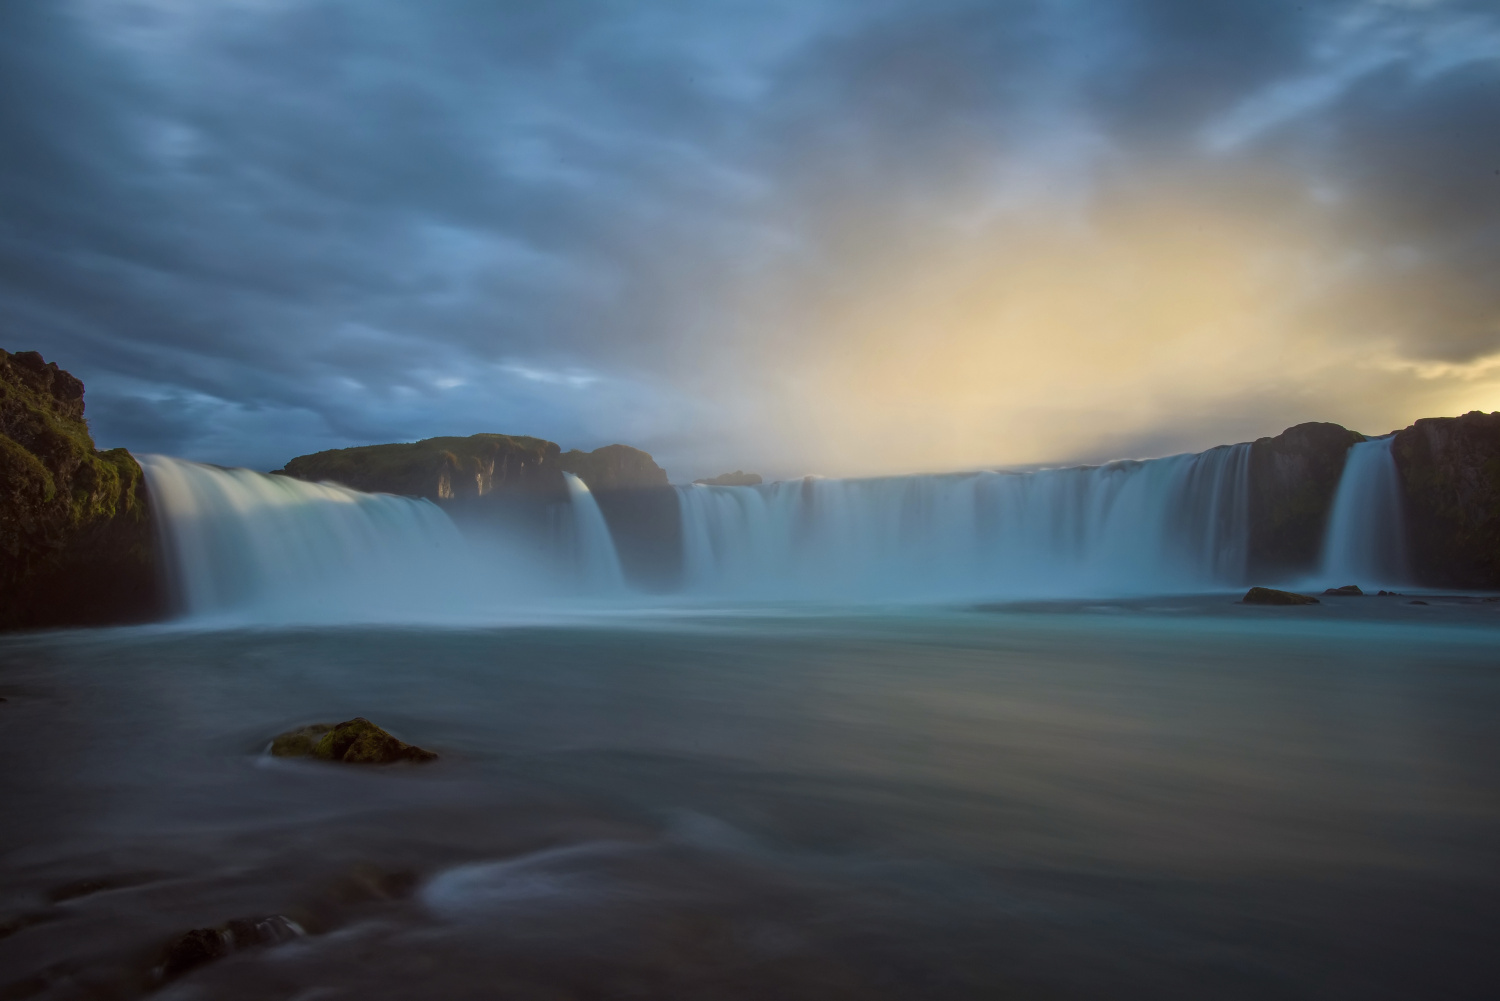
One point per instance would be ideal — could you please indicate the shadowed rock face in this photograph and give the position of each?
(615, 467)
(1450, 481)
(76, 543)
(439, 469)
(1271, 596)
(737, 478)
(1293, 479)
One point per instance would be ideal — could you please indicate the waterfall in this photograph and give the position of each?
(594, 554)
(1366, 540)
(1174, 524)
(246, 546)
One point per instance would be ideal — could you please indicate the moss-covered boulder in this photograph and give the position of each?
(76, 543)
(1293, 479)
(352, 742)
(1450, 482)
(1271, 596)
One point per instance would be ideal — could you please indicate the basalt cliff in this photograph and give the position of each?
(76, 544)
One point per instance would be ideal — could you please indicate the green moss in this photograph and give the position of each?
(352, 742)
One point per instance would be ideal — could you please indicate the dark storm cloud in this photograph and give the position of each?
(260, 228)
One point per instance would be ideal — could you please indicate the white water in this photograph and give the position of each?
(242, 545)
(1366, 541)
(1166, 525)
(593, 548)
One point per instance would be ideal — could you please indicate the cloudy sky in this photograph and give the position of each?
(835, 236)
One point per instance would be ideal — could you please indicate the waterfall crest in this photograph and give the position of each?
(594, 553)
(1157, 526)
(247, 546)
(1366, 539)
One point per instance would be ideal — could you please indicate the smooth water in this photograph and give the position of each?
(1166, 525)
(1159, 799)
(1366, 538)
(247, 547)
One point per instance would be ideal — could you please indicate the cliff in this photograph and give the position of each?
(439, 469)
(512, 478)
(738, 478)
(76, 543)
(1293, 479)
(615, 467)
(1450, 479)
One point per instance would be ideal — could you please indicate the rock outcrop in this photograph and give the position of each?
(352, 742)
(1271, 596)
(1450, 479)
(614, 467)
(1293, 479)
(76, 543)
(737, 478)
(439, 469)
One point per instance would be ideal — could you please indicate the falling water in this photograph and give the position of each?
(249, 546)
(593, 547)
(1366, 540)
(1173, 524)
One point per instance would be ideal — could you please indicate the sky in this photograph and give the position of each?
(845, 237)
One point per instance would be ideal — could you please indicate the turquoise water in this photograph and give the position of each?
(1172, 798)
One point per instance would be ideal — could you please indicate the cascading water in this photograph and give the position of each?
(1174, 524)
(248, 546)
(594, 553)
(1366, 540)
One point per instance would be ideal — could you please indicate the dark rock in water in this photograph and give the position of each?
(1389, 594)
(1349, 590)
(1416, 602)
(204, 945)
(734, 479)
(299, 743)
(354, 742)
(1293, 478)
(76, 542)
(1450, 485)
(1271, 596)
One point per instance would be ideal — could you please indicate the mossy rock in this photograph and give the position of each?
(353, 742)
(1271, 596)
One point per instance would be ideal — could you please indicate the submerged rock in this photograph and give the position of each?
(353, 742)
(1271, 596)
(1348, 590)
(204, 945)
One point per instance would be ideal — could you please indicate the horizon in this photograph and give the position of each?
(865, 240)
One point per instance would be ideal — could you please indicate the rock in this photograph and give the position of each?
(1348, 590)
(1271, 596)
(354, 742)
(734, 479)
(439, 469)
(204, 945)
(614, 467)
(299, 743)
(1389, 594)
(1416, 602)
(1293, 478)
(1450, 484)
(76, 540)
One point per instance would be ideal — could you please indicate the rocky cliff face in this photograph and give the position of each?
(1293, 479)
(439, 469)
(1450, 479)
(76, 544)
(615, 467)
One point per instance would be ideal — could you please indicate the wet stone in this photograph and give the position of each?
(1348, 590)
(1271, 596)
(355, 742)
